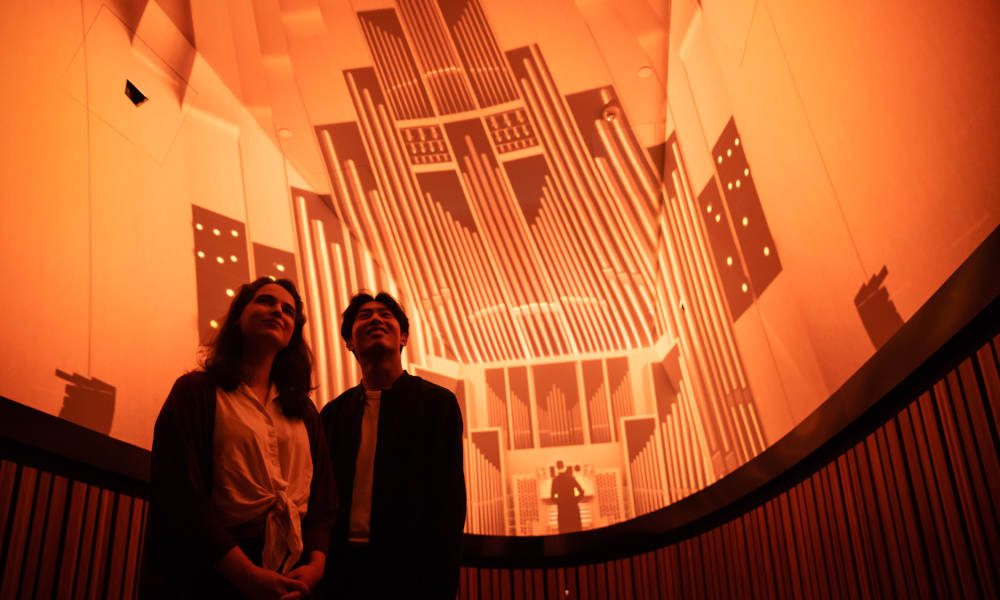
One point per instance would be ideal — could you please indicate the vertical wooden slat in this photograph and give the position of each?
(537, 580)
(779, 553)
(710, 565)
(18, 524)
(503, 584)
(925, 514)
(611, 580)
(8, 476)
(564, 583)
(641, 570)
(973, 375)
(974, 382)
(75, 510)
(683, 562)
(865, 488)
(116, 556)
(890, 513)
(574, 582)
(768, 550)
(696, 569)
(585, 582)
(841, 524)
(139, 550)
(54, 531)
(755, 564)
(969, 472)
(85, 542)
(989, 367)
(859, 533)
(601, 580)
(628, 581)
(943, 550)
(663, 573)
(804, 545)
(950, 507)
(35, 535)
(473, 583)
(898, 478)
(102, 540)
(736, 557)
(792, 557)
(130, 574)
(826, 518)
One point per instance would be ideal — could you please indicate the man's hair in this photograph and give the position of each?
(291, 371)
(361, 298)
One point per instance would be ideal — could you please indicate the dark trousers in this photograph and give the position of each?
(358, 571)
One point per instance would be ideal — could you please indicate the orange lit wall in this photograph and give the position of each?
(641, 239)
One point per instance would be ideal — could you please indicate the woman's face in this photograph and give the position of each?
(269, 318)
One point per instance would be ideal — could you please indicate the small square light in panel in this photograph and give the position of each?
(749, 222)
(221, 266)
(274, 263)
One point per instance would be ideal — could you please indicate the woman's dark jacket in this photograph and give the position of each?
(184, 532)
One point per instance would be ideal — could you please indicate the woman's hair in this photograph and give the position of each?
(291, 371)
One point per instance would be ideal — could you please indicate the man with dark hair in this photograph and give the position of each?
(396, 444)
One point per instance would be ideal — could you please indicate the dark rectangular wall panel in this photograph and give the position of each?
(276, 263)
(221, 266)
(748, 221)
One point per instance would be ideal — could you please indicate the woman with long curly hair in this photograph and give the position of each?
(241, 489)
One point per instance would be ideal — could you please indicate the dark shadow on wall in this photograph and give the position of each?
(876, 309)
(88, 402)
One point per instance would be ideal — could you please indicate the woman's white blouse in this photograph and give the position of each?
(262, 471)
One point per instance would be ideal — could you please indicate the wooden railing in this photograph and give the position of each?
(891, 488)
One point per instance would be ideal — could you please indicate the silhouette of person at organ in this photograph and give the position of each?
(567, 493)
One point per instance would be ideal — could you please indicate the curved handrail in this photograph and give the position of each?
(959, 317)
(962, 315)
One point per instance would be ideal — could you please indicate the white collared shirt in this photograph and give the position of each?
(262, 471)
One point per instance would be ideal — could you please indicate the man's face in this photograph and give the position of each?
(375, 331)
